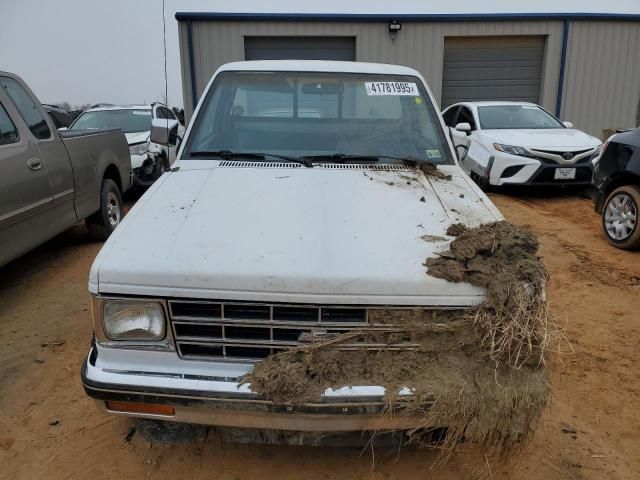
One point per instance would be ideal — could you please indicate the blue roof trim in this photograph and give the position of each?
(563, 65)
(376, 17)
(192, 68)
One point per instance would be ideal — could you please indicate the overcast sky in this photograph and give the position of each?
(89, 51)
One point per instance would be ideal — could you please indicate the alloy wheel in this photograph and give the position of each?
(114, 213)
(621, 217)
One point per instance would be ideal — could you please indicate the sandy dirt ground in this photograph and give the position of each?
(50, 429)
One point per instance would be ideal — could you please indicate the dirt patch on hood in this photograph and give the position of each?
(456, 229)
(479, 372)
(429, 169)
(432, 238)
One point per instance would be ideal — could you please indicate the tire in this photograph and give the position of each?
(482, 182)
(102, 223)
(621, 217)
(161, 166)
(461, 152)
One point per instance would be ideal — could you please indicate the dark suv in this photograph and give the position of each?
(617, 180)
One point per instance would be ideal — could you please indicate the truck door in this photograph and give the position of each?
(51, 150)
(464, 116)
(467, 161)
(177, 139)
(172, 148)
(24, 187)
(458, 139)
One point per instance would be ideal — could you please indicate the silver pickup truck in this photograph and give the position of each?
(50, 181)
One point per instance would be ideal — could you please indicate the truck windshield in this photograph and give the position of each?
(130, 121)
(516, 116)
(319, 114)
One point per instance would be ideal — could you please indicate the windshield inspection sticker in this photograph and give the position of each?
(142, 112)
(409, 89)
(433, 153)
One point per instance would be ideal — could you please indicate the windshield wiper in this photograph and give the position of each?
(229, 154)
(345, 157)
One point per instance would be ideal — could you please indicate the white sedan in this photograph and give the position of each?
(519, 143)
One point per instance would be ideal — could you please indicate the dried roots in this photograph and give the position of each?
(481, 372)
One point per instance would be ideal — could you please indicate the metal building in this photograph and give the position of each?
(584, 67)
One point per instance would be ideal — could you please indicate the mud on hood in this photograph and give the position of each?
(285, 234)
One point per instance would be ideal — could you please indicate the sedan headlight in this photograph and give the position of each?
(598, 150)
(135, 321)
(595, 158)
(139, 148)
(511, 150)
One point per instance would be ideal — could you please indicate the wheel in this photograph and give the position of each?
(620, 217)
(461, 152)
(161, 166)
(102, 223)
(482, 182)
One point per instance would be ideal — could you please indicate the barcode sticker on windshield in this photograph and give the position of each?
(392, 88)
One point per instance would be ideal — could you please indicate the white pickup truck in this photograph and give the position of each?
(303, 196)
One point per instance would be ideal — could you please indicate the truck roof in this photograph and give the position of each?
(319, 66)
(119, 107)
(494, 103)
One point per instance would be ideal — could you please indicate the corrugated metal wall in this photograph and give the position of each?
(606, 52)
(418, 45)
(602, 75)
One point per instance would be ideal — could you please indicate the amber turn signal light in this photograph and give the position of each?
(134, 407)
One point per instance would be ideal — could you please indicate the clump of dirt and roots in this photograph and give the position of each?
(480, 372)
(456, 229)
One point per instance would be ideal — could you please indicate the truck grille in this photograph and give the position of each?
(252, 331)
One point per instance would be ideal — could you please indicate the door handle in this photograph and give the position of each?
(34, 163)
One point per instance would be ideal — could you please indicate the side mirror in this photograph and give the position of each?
(568, 124)
(161, 131)
(463, 127)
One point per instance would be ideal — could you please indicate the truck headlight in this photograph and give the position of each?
(139, 148)
(136, 321)
(511, 149)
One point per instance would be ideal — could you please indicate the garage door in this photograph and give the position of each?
(492, 68)
(300, 48)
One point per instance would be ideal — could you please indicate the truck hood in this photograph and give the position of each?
(286, 233)
(137, 137)
(560, 138)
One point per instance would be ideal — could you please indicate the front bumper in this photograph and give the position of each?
(514, 170)
(221, 401)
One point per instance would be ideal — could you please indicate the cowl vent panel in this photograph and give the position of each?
(329, 166)
(236, 164)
